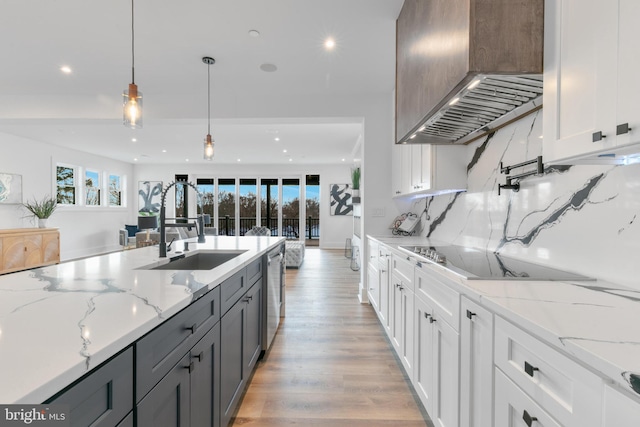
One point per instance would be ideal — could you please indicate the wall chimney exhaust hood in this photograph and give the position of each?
(465, 68)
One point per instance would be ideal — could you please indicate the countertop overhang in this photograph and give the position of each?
(59, 322)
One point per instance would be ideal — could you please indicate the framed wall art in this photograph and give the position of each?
(149, 197)
(341, 201)
(10, 189)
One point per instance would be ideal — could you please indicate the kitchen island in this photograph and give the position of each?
(58, 323)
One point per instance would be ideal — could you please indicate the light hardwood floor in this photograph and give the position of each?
(330, 363)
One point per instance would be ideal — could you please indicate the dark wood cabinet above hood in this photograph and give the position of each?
(484, 57)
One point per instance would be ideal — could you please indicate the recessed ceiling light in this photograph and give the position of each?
(135, 160)
(276, 138)
(65, 69)
(329, 44)
(238, 159)
(343, 160)
(290, 159)
(268, 68)
(133, 140)
(186, 160)
(284, 151)
(254, 33)
(164, 151)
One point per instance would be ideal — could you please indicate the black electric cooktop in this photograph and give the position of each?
(475, 264)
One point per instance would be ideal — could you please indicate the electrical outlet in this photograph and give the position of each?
(378, 212)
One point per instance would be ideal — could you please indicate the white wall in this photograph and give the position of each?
(333, 229)
(83, 231)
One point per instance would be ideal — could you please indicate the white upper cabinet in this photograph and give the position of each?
(428, 169)
(589, 81)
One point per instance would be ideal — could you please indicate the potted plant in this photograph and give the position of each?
(42, 209)
(355, 181)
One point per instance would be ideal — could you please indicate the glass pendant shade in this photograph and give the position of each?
(132, 107)
(208, 148)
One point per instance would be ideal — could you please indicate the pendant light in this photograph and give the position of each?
(208, 141)
(131, 98)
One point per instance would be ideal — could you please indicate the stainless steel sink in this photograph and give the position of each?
(203, 260)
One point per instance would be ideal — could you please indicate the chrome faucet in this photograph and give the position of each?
(199, 225)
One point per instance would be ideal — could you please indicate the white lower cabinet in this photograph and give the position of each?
(437, 368)
(515, 409)
(568, 392)
(619, 409)
(476, 365)
(403, 326)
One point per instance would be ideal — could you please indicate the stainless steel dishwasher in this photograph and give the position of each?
(274, 298)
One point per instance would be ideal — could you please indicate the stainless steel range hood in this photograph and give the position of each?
(466, 67)
(480, 104)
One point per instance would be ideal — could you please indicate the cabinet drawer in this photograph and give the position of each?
(513, 408)
(162, 348)
(254, 271)
(566, 390)
(402, 268)
(104, 397)
(445, 301)
(232, 289)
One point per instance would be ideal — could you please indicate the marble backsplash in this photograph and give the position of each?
(577, 218)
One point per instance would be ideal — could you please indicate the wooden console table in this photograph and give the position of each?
(24, 248)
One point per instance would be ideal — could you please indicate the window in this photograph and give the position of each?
(269, 205)
(248, 209)
(66, 185)
(115, 190)
(182, 199)
(226, 207)
(92, 188)
(206, 199)
(291, 208)
(312, 191)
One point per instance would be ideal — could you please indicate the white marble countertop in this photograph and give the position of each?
(595, 322)
(59, 322)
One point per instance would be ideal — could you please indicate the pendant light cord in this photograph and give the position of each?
(208, 99)
(133, 73)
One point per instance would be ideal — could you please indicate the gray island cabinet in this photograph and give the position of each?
(191, 370)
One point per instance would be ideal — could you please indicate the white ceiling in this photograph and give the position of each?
(250, 107)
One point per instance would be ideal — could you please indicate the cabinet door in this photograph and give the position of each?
(51, 247)
(579, 78)
(253, 332)
(104, 397)
(407, 330)
(476, 365)
(397, 171)
(513, 408)
(446, 353)
(167, 404)
(205, 380)
(373, 281)
(13, 253)
(396, 313)
(233, 376)
(386, 297)
(628, 83)
(32, 250)
(423, 370)
(619, 410)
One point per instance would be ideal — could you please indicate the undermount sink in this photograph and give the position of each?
(204, 260)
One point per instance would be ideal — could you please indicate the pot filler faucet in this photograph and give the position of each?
(199, 225)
